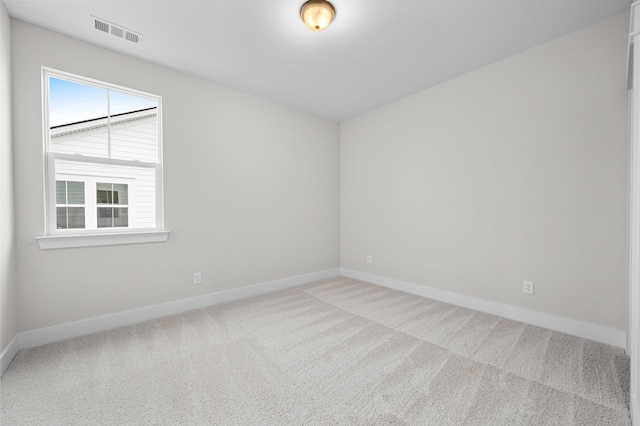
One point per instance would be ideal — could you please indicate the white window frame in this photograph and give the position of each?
(65, 238)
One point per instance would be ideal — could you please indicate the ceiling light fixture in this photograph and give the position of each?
(317, 14)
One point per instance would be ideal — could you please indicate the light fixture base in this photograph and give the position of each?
(317, 14)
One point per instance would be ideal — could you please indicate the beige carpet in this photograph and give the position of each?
(335, 352)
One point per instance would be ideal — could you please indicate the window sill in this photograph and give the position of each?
(90, 240)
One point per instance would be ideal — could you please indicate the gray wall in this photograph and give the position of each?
(8, 283)
(251, 191)
(517, 171)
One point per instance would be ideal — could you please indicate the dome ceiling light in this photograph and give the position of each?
(317, 14)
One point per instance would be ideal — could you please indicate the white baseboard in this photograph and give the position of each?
(41, 336)
(9, 353)
(595, 332)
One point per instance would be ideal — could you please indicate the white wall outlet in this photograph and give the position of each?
(197, 277)
(527, 287)
(369, 260)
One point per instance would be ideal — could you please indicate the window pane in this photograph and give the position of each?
(104, 193)
(76, 217)
(122, 103)
(120, 194)
(105, 217)
(76, 192)
(109, 217)
(136, 139)
(103, 197)
(61, 192)
(134, 128)
(70, 217)
(77, 118)
(121, 217)
(61, 221)
(71, 102)
(107, 193)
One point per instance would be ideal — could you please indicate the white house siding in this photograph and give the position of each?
(136, 140)
(130, 140)
(92, 142)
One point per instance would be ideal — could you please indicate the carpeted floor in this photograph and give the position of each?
(334, 352)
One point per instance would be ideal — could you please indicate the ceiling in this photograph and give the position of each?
(376, 51)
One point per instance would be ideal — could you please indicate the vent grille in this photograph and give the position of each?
(132, 37)
(102, 26)
(116, 30)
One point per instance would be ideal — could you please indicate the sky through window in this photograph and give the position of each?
(71, 102)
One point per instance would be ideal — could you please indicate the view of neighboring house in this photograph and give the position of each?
(91, 195)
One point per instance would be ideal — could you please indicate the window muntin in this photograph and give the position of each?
(101, 134)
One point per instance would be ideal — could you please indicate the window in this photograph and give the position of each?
(113, 210)
(69, 204)
(103, 160)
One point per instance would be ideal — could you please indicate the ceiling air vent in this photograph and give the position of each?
(132, 37)
(116, 30)
(102, 26)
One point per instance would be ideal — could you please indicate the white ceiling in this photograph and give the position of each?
(375, 52)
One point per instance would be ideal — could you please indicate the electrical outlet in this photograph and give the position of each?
(369, 260)
(527, 287)
(197, 277)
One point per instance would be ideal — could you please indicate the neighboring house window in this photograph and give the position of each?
(113, 210)
(70, 204)
(103, 157)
